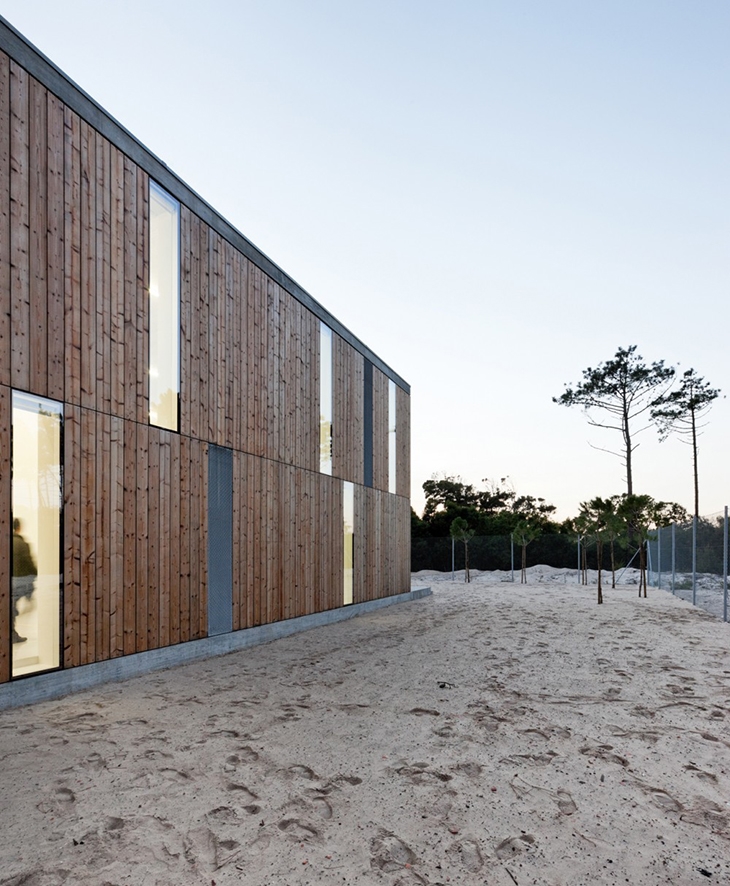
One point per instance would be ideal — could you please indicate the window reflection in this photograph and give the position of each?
(325, 399)
(164, 368)
(36, 553)
(348, 527)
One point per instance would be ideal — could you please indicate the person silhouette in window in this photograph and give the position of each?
(24, 574)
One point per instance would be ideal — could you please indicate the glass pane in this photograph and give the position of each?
(348, 527)
(325, 399)
(36, 502)
(391, 436)
(164, 309)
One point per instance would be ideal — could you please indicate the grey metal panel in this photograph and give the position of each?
(220, 540)
(368, 424)
(53, 78)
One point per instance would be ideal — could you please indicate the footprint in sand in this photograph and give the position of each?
(62, 800)
(298, 829)
(565, 802)
(223, 815)
(389, 852)
(322, 807)
(247, 754)
(468, 853)
(469, 768)
(665, 801)
(303, 772)
(242, 789)
(514, 846)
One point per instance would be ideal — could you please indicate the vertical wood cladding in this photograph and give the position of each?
(74, 327)
(135, 562)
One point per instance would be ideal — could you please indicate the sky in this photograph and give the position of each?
(492, 195)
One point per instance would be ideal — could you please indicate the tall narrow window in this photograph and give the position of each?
(348, 528)
(164, 309)
(391, 437)
(325, 399)
(37, 497)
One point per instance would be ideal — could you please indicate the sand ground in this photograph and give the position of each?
(491, 734)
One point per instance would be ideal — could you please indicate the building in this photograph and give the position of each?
(190, 445)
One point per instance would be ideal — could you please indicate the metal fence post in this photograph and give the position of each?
(648, 559)
(674, 560)
(724, 570)
(453, 564)
(579, 567)
(512, 554)
(694, 561)
(659, 557)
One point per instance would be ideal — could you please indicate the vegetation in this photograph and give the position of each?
(524, 532)
(642, 516)
(460, 532)
(682, 412)
(623, 389)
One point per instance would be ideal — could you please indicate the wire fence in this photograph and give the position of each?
(689, 560)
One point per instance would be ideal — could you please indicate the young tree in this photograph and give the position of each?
(624, 388)
(599, 519)
(642, 515)
(523, 533)
(460, 532)
(681, 412)
(613, 531)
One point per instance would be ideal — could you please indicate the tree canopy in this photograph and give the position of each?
(682, 412)
(494, 509)
(621, 390)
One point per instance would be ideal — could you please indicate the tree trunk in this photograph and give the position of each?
(523, 574)
(599, 549)
(627, 443)
(694, 465)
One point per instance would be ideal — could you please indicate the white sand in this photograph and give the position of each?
(491, 734)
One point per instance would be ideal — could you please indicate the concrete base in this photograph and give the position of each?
(29, 690)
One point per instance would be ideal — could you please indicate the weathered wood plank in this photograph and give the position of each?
(174, 534)
(55, 249)
(142, 556)
(154, 590)
(164, 541)
(186, 386)
(103, 250)
(102, 583)
(5, 224)
(117, 516)
(38, 224)
(72, 257)
(130, 538)
(87, 292)
(19, 227)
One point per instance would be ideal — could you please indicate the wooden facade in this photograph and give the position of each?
(74, 328)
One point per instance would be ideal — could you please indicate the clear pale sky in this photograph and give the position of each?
(492, 195)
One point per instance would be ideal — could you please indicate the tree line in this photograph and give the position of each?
(615, 395)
